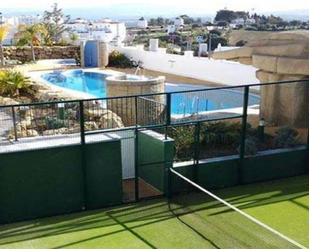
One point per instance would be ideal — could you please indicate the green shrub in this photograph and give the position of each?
(117, 59)
(13, 83)
(184, 141)
(54, 123)
(221, 133)
(286, 137)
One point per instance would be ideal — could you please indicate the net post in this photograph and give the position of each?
(243, 132)
(307, 168)
(168, 175)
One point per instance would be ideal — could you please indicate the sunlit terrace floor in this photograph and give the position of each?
(282, 204)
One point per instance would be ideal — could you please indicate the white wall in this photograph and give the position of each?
(217, 71)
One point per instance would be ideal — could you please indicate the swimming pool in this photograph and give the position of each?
(93, 83)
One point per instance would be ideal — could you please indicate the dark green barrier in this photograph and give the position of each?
(218, 173)
(50, 181)
(224, 172)
(104, 174)
(153, 151)
(40, 183)
(274, 165)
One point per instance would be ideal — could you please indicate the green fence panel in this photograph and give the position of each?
(103, 174)
(218, 173)
(275, 165)
(40, 183)
(154, 153)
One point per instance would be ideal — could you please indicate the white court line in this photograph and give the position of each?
(241, 212)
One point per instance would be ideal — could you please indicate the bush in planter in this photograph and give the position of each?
(286, 137)
(117, 59)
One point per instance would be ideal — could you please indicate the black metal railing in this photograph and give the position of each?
(73, 118)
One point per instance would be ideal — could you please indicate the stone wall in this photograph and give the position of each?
(24, 54)
(150, 108)
(282, 56)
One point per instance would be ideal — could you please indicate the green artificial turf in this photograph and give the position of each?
(283, 204)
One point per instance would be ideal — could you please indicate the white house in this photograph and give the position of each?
(178, 22)
(14, 21)
(142, 23)
(238, 21)
(104, 30)
(171, 29)
(250, 21)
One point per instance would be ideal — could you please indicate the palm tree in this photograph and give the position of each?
(3, 32)
(31, 35)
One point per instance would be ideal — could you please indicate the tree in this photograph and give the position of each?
(73, 37)
(295, 23)
(54, 22)
(31, 35)
(187, 19)
(3, 33)
(225, 16)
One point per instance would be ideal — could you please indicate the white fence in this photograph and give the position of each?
(216, 71)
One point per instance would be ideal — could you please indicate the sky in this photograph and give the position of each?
(140, 6)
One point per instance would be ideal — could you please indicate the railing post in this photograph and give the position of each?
(136, 182)
(197, 132)
(243, 131)
(136, 111)
(83, 152)
(168, 112)
(82, 122)
(14, 123)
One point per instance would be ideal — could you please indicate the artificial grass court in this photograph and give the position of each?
(282, 204)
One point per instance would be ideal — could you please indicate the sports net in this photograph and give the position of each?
(218, 222)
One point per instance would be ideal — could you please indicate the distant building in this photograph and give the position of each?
(104, 30)
(238, 21)
(242, 22)
(13, 23)
(142, 23)
(178, 25)
(250, 21)
(171, 29)
(179, 22)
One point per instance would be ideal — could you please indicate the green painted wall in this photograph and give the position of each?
(219, 174)
(229, 172)
(50, 181)
(104, 174)
(274, 166)
(152, 153)
(40, 183)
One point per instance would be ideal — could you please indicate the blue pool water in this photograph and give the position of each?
(182, 103)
